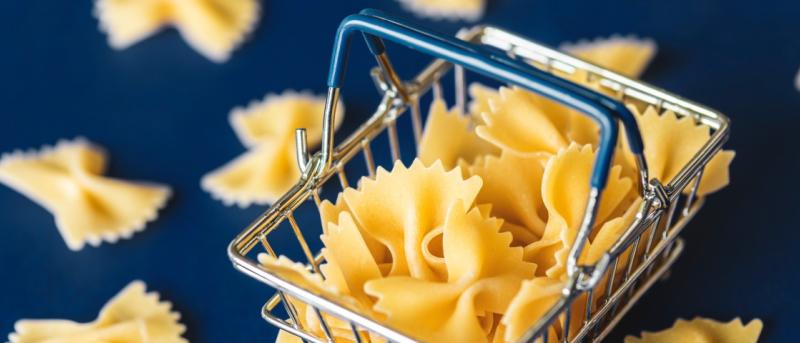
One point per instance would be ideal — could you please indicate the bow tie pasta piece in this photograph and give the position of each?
(67, 180)
(565, 190)
(510, 119)
(609, 233)
(533, 300)
(702, 330)
(277, 116)
(519, 124)
(330, 214)
(483, 274)
(469, 10)
(269, 168)
(400, 207)
(449, 137)
(298, 274)
(260, 175)
(535, 297)
(129, 21)
(628, 56)
(212, 27)
(512, 185)
(131, 316)
(670, 142)
(348, 255)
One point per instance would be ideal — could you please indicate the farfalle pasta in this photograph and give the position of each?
(522, 122)
(535, 297)
(446, 9)
(670, 142)
(269, 168)
(212, 27)
(517, 123)
(702, 330)
(565, 190)
(628, 55)
(512, 185)
(483, 273)
(67, 179)
(299, 275)
(449, 137)
(133, 315)
(400, 207)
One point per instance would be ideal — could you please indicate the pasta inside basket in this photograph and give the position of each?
(527, 198)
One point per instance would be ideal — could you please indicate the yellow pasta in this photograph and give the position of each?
(400, 207)
(517, 123)
(480, 98)
(212, 27)
(449, 137)
(483, 274)
(670, 143)
(131, 316)
(277, 116)
(350, 263)
(68, 181)
(512, 185)
(446, 9)
(269, 168)
(307, 317)
(535, 298)
(628, 56)
(526, 123)
(565, 190)
(702, 330)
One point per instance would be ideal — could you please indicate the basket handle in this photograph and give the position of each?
(604, 110)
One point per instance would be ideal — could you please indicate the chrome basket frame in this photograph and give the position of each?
(657, 226)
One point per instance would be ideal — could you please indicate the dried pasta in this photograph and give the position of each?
(480, 98)
(133, 316)
(509, 118)
(306, 316)
(535, 297)
(446, 9)
(565, 190)
(702, 330)
(278, 115)
(68, 181)
(269, 168)
(450, 138)
(512, 185)
(515, 116)
(627, 55)
(212, 27)
(665, 158)
(483, 273)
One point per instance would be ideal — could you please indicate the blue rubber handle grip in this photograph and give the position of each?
(604, 110)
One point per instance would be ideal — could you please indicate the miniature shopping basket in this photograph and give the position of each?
(652, 240)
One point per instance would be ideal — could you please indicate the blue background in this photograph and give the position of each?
(161, 111)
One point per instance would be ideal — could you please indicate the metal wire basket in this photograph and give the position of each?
(651, 241)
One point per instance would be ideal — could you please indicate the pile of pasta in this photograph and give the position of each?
(469, 242)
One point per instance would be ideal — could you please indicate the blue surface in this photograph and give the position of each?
(161, 111)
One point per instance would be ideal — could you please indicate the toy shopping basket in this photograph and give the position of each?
(651, 241)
